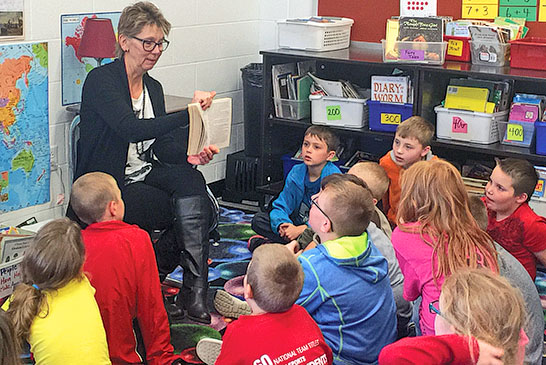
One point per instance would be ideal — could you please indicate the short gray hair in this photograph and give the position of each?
(135, 17)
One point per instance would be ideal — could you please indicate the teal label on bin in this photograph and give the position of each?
(333, 112)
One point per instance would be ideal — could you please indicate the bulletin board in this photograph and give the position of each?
(370, 17)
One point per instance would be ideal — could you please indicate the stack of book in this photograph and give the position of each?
(484, 96)
(291, 88)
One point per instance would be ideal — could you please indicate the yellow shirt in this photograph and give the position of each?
(72, 331)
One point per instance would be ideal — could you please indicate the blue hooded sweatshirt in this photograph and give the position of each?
(294, 194)
(346, 290)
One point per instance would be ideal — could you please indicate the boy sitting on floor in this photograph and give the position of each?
(346, 288)
(411, 144)
(511, 222)
(287, 220)
(287, 333)
(121, 264)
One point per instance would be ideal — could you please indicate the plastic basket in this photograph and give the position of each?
(340, 112)
(458, 48)
(517, 133)
(490, 54)
(463, 125)
(315, 36)
(529, 53)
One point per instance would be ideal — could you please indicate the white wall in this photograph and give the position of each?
(210, 41)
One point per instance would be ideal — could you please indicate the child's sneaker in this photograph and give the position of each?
(208, 350)
(229, 306)
(256, 241)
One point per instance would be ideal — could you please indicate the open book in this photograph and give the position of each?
(211, 126)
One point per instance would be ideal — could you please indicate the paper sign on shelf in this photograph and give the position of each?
(387, 118)
(333, 112)
(514, 132)
(459, 126)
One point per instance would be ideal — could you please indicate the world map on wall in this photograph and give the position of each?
(74, 68)
(24, 126)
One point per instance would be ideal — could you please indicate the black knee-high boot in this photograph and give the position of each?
(192, 220)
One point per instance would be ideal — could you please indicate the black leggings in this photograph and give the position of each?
(149, 203)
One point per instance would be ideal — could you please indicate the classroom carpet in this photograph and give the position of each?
(228, 260)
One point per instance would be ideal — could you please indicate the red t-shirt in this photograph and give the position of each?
(430, 350)
(275, 338)
(521, 234)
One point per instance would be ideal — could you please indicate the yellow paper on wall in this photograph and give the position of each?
(542, 11)
(480, 11)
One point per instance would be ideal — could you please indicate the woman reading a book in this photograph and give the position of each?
(125, 131)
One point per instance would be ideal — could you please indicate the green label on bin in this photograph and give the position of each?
(333, 112)
(514, 132)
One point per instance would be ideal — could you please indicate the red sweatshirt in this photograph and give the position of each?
(121, 266)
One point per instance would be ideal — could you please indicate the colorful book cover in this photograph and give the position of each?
(426, 29)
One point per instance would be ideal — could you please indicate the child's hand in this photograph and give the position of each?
(489, 355)
(282, 229)
(291, 232)
(293, 247)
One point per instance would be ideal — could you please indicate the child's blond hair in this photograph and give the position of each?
(484, 305)
(349, 205)
(418, 128)
(54, 259)
(523, 174)
(276, 278)
(434, 196)
(374, 176)
(91, 194)
(325, 134)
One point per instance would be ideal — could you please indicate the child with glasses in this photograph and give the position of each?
(436, 234)
(346, 286)
(479, 320)
(288, 217)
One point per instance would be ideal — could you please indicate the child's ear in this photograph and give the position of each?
(331, 155)
(425, 151)
(521, 198)
(113, 207)
(374, 201)
(247, 291)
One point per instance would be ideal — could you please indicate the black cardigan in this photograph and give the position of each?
(108, 123)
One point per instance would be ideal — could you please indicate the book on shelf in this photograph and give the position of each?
(14, 245)
(421, 29)
(391, 89)
(467, 98)
(211, 126)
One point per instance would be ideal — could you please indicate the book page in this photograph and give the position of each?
(211, 126)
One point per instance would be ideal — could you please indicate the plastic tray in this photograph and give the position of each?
(315, 36)
(490, 54)
(529, 53)
(516, 133)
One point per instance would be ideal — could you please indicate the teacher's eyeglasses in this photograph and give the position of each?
(149, 46)
(314, 202)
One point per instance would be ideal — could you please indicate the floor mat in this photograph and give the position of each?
(228, 260)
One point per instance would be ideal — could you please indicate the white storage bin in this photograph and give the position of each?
(314, 35)
(339, 112)
(468, 126)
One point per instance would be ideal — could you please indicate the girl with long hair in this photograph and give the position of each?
(436, 234)
(479, 320)
(54, 308)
